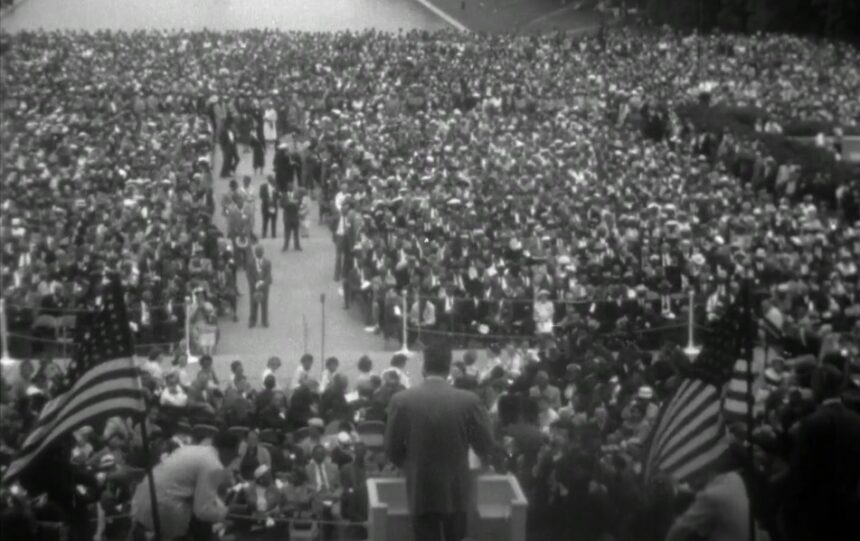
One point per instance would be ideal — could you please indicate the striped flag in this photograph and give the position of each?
(735, 403)
(689, 436)
(101, 380)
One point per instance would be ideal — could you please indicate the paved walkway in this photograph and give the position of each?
(295, 311)
(308, 15)
(525, 16)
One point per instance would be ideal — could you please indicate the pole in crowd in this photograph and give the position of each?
(404, 317)
(6, 360)
(191, 358)
(153, 497)
(305, 333)
(322, 334)
(749, 332)
(692, 350)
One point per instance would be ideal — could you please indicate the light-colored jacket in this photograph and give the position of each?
(720, 512)
(186, 482)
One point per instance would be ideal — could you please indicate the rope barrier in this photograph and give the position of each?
(31, 338)
(238, 516)
(649, 330)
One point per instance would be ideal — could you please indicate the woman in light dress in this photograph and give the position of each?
(270, 124)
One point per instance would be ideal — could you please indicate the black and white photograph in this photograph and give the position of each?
(430, 270)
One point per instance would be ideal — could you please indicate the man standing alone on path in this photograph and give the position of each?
(437, 476)
(291, 200)
(259, 271)
(269, 199)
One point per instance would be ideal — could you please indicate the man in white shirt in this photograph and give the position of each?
(272, 366)
(302, 372)
(153, 366)
(187, 485)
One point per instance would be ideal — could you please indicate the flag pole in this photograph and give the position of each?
(6, 360)
(749, 352)
(305, 333)
(153, 498)
(405, 331)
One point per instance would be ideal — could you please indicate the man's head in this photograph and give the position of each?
(258, 251)
(331, 364)
(542, 379)
(307, 361)
(273, 363)
(399, 361)
(437, 360)
(318, 454)
(206, 362)
(365, 365)
(269, 382)
(827, 382)
(236, 368)
(227, 446)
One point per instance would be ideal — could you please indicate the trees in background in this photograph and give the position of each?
(828, 18)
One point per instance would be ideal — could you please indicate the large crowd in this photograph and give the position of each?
(542, 188)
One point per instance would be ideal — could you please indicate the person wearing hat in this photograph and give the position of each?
(187, 487)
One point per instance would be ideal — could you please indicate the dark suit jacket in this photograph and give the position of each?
(269, 199)
(254, 275)
(825, 471)
(430, 429)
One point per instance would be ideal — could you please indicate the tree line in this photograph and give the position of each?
(839, 19)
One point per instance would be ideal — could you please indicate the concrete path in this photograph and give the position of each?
(308, 15)
(295, 311)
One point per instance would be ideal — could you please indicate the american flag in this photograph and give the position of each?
(736, 401)
(689, 436)
(101, 379)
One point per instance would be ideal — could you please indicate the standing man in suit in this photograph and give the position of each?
(269, 198)
(259, 272)
(823, 497)
(291, 201)
(284, 168)
(437, 476)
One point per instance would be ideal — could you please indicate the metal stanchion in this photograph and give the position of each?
(692, 350)
(404, 317)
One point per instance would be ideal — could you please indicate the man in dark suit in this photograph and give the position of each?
(269, 200)
(259, 272)
(291, 201)
(437, 476)
(823, 500)
(284, 168)
(229, 151)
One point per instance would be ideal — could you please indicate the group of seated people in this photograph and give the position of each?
(574, 431)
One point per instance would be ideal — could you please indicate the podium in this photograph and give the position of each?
(499, 512)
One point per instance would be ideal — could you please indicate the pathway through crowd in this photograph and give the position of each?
(295, 311)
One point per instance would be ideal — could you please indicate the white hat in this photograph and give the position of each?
(646, 392)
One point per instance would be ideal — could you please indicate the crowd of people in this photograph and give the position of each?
(542, 188)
